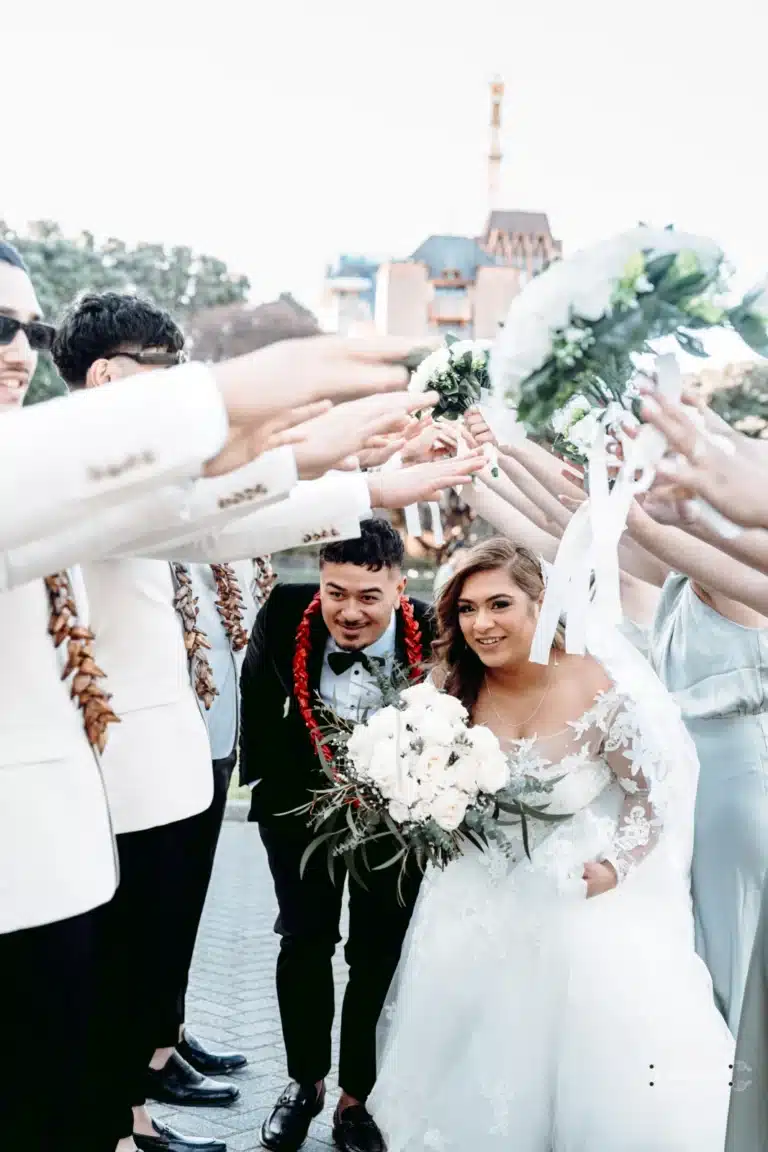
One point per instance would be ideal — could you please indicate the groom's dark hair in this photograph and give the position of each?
(378, 546)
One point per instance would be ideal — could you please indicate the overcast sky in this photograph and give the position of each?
(277, 134)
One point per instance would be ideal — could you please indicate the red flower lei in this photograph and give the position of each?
(414, 651)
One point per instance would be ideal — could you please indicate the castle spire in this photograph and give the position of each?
(494, 154)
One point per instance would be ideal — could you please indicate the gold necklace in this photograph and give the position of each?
(520, 723)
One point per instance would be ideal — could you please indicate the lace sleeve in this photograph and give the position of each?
(633, 764)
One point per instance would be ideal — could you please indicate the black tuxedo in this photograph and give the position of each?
(277, 751)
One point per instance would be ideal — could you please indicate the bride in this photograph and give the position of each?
(557, 1004)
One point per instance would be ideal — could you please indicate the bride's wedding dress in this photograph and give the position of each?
(526, 1018)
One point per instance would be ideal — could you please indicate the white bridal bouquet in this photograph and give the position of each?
(574, 330)
(416, 771)
(458, 372)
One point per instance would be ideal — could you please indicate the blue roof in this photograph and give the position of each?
(462, 253)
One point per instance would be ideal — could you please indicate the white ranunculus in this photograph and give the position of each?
(449, 809)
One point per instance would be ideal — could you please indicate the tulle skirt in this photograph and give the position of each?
(525, 1017)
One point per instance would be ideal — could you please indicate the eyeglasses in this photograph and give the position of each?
(154, 359)
(39, 335)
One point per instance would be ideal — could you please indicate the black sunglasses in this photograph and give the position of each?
(153, 359)
(39, 335)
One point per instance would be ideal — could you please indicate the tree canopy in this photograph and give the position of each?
(176, 278)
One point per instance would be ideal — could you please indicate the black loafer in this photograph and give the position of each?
(179, 1083)
(286, 1127)
(167, 1140)
(203, 1060)
(355, 1130)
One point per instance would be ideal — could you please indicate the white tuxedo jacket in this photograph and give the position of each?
(65, 460)
(56, 849)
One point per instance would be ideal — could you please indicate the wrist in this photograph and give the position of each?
(375, 483)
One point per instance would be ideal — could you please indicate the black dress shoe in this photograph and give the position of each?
(286, 1127)
(205, 1061)
(167, 1140)
(355, 1130)
(179, 1083)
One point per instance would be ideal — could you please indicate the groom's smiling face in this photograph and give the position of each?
(357, 603)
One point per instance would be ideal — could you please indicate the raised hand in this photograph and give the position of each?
(292, 373)
(422, 482)
(430, 442)
(721, 477)
(333, 439)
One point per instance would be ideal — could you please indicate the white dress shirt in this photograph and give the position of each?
(353, 692)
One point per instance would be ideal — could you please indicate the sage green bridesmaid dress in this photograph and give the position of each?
(718, 673)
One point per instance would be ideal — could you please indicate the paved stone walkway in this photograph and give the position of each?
(232, 998)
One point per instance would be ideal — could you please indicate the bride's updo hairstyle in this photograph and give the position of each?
(456, 668)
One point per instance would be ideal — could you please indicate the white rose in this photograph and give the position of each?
(420, 695)
(432, 763)
(460, 348)
(492, 773)
(449, 809)
(434, 728)
(399, 812)
(565, 417)
(385, 723)
(420, 812)
(436, 362)
(384, 765)
(583, 432)
(483, 741)
(463, 774)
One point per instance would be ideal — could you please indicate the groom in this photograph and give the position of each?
(330, 643)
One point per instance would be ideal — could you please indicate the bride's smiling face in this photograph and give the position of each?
(497, 618)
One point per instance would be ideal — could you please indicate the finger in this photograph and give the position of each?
(573, 477)
(290, 436)
(347, 464)
(572, 503)
(386, 349)
(302, 414)
(673, 423)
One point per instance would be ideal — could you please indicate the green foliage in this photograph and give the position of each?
(175, 278)
(660, 295)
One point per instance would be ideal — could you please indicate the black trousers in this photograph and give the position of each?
(139, 969)
(48, 982)
(191, 889)
(309, 928)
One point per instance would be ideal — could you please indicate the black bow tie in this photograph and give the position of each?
(340, 662)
